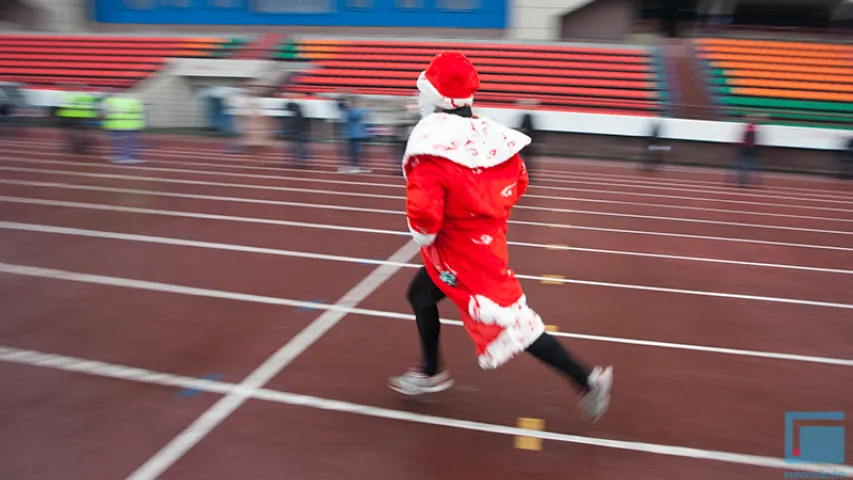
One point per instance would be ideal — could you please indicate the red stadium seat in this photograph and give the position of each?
(578, 78)
(115, 61)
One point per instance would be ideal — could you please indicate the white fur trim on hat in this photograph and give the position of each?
(432, 94)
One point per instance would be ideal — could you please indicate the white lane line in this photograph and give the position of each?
(339, 258)
(719, 190)
(232, 161)
(523, 205)
(680, 257)
(193, 196)
(685, 235)
(332, 160)
(528, 197)
(140, 375)
(381, 185)
(708, 187)
(692, 220)
(32, 227)
(158, 193)
(695, 170)
(347, 259)
(685, 198)
(181, 181)
(206, 216)
(53, 274)
(689, 208)
(701, 293)
(714, 189)
(222, 409)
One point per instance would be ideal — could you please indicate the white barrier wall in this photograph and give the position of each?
(539, 19)
(589, 123)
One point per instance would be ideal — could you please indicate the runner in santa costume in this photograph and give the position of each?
(463, 176)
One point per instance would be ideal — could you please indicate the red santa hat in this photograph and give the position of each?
(450, 81)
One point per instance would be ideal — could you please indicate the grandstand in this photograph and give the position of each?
(577, 78)
(40, 61)
(792, 82)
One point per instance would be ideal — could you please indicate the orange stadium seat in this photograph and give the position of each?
(796, 82)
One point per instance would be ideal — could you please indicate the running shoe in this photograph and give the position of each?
(415, 382)
(596, 400)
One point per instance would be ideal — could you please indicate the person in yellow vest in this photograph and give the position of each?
(77, 113)
(124, 120)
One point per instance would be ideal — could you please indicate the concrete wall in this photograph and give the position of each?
(539, 19)
(601, 20)
(59, 15)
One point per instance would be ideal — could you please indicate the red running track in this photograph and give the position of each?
(721, 309)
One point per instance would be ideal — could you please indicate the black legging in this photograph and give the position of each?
(424, 296)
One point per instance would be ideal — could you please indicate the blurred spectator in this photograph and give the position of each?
(842, 18)
(410, 117)
(717, 12)
(748, 153)
(342, 102)
(299, 130)
(528, 127)
(669, 18)
(124, 120)
(846, 161)
(655, 149)
(356, 134)
(255, 124)
(77, 112)
(5, 113)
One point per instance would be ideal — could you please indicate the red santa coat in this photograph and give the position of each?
(463, 176)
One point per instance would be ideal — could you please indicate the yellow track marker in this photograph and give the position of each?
(529, 443)
(554, 281)
(552, 328)
(556, 247)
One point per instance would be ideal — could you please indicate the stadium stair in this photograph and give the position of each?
(263, 48)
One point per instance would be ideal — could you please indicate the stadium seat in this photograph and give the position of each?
(798, 83)
(40, 61)
(578, 78)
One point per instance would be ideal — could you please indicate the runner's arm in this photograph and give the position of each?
(523, 179)
(425, 201)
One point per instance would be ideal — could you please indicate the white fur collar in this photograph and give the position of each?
(470, 142)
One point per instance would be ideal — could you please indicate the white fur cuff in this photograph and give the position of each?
(422, 239)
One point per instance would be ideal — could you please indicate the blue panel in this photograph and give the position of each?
(822, 444)
(361, 13)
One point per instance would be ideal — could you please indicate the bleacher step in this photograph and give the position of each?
(687, 81)
(260, 49)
